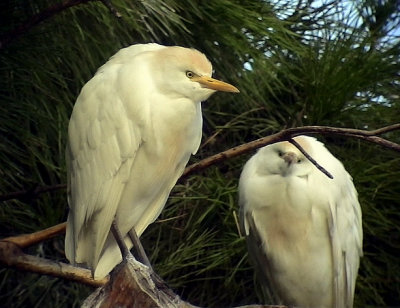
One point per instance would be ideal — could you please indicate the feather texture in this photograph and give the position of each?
(303, 229)
(131, 133)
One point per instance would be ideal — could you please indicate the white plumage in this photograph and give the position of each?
(131, 133)
(303, 229)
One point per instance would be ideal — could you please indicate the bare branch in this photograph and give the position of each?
(37, 265)
(10, 248)
(26, 240)
(312, 160)
(287, 134)
(132, 285)
(131, 281)
(382, 130)
(12, 256)
(284, 135)
(212, 138)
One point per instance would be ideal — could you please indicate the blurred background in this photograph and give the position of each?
(296, 62)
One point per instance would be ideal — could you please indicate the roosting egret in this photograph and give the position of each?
(131, 133)
(303, 229)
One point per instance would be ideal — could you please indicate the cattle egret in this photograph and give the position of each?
(131, 133)
(303, 229)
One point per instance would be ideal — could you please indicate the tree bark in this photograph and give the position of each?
(134, 285)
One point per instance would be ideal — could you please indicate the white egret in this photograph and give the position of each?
(303, 229)
(131, 133)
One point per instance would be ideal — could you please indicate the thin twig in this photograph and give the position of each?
(382, 130)
(284, 135)
(287, 134)
(312, 160)
(12, 256)
(226, 126)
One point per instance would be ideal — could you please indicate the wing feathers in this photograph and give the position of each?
(100, 160)
(346, 242)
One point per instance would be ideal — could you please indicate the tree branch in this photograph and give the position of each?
(284, 135)
(26, 240)
(132, 285)
(287, 134)
(12, 256)
(312, 160)
(131, 281)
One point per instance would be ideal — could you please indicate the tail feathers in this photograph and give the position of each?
(84, 255)
(110, 257)
(70, 247)
(79, 248)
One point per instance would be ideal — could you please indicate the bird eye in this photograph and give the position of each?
(299, 161)
(189, 74)
(280, 153)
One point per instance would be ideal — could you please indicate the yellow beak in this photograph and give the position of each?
(214, 84)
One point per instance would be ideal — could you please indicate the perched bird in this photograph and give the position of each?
(302, 228)
(131, 133)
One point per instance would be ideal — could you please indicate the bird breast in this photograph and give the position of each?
(159, 162)
(286, 208)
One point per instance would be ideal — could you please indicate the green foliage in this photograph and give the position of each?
(295, 62)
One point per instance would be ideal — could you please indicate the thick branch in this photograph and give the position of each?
(132, 285)
(26, 240)
(131, 282)
(12, 256)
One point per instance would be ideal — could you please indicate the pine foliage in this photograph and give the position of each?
(296, 63)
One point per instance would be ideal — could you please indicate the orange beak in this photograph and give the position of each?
(214, 84)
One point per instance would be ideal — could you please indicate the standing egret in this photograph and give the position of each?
(131, 133)
(303, 229)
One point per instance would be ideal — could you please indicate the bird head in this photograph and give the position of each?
(185, 72)
(283, 158)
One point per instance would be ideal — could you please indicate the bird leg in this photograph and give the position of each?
(141, 254)
(142, 257)
(159, 282)
(119, 239)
